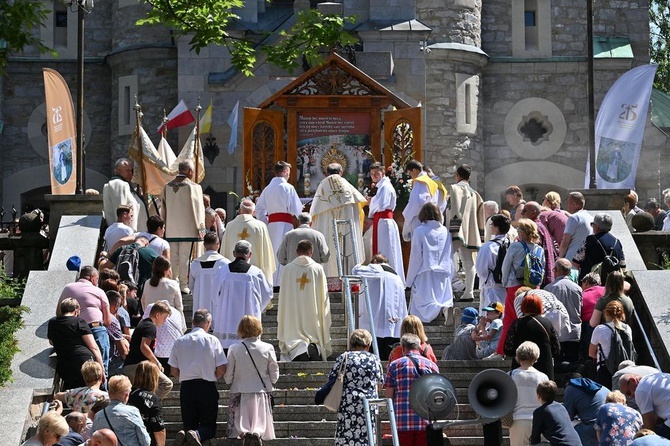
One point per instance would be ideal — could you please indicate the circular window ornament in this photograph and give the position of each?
(37, 130)
(535, 128)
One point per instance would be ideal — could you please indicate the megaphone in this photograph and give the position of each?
(432, 396)
(492, 393)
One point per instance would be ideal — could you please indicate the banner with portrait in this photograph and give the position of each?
(61, 133)
(619, 129)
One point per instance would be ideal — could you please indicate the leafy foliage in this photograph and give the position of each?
(10, 322)
(207, 21)
(659, 36)
(17, 19)
(312, 34)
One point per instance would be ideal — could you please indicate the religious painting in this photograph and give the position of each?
(613, 162)
(332, 137)
(62, 161)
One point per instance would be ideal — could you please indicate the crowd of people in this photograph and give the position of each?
(552, 297)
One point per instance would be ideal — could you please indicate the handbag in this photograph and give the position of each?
(272, 398)
(334, 397)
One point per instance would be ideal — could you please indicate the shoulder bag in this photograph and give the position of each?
(334, 397)
(104, 412)
(272, 398)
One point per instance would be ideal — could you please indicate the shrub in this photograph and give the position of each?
(10, 321)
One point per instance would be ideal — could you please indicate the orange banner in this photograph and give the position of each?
(61, 133)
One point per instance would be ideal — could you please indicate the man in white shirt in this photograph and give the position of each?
(119, 190)
(155, 233)
(121, 227)
(387, 301)
(203, 271)
(491, 290)
(277, 205)
(242, 289)
(198, 361)
(385, 233)
(577, 228)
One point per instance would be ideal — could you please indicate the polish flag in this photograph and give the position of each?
(178, 117)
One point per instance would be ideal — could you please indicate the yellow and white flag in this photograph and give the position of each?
(206, 120)
(153, 173)
(61, 133)
(188, 152)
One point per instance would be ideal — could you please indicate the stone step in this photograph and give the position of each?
(321, 429)
(454, 441)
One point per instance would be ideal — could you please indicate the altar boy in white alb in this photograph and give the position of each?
(385, 233)
(303, 316)
(387, 302)
(277, 205)
(243, 289)
(201, 278)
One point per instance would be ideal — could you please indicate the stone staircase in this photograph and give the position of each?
(298, 421)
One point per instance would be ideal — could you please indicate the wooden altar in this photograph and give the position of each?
(333, 112)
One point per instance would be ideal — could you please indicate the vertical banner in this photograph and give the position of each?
(61, 133)
(619, 129)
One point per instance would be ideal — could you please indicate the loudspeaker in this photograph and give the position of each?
(432, 396)
(492, 393)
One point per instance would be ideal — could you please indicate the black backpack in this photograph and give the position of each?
(609, 264)
(621, 349)
(127, 265)
(502, 252)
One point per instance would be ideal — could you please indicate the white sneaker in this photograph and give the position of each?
(495, 356)
(458, 286)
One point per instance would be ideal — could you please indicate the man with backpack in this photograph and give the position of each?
(489, 262)
(601, 250)
(133, 262)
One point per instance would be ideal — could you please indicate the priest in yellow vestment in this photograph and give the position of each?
(303, 316)
(246, 227)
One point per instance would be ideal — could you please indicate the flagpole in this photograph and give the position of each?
(197, 139)
(590, 94)
(138, 117)
(165, 121)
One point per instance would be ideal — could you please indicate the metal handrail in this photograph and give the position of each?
(647, 341)
(377, 438)
(352, 307)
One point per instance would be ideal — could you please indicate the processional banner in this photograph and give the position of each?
(619, 129)
(61, 133)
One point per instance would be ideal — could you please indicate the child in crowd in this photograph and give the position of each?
(551, 419)
(488, 332)
(464, 346)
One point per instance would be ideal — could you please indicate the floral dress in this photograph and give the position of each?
(362, 376)
(617, 424)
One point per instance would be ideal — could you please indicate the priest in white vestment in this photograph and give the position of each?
(388, 304)
(337, 199)
(184, 215)
(243, 290)
(424, 190)
(430, 266)
(277, 206)
(203, 271)
(246, 227)
(385, 234)
(303, 317)
(119, 191)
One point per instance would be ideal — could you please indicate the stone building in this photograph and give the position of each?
(503, 85)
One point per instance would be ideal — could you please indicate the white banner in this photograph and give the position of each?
(619, 129)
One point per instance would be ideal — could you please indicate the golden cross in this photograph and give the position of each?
(303, 281)
(243, 235)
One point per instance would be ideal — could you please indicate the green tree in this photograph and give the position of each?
(659, 36)
(207, 21)
(17, 20)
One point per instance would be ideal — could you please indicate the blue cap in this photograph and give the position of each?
(469, 315)
(73, 263)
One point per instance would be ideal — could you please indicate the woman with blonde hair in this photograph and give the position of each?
(363, 375)
(161, 286)
(51, 427)
(412, 324)
(601, 340)
(615, 422)
(553, 217)
(143, 396)
(82, 399)
(251, 372)
(513, 270)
